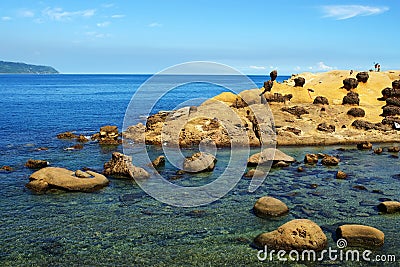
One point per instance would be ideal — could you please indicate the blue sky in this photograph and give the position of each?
(252, 36)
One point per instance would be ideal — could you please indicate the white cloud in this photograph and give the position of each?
(321, 66)
(117, 16)
(6, 18)
(97, 35)
(26, 13)
(155, 24)
(103, 24)
(297, 68)
(61, 15)
(107, 5)
(257, 67)
(341, 12)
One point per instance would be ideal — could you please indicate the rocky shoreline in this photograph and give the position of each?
(327, 108)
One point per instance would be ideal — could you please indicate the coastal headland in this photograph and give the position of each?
(334, 107)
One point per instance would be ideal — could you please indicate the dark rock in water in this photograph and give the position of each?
(36, 164)
(273, 74)
(311, 158)
(131, 198)
(330, 161)
(82, 139)
(321, 100)
(341, 175)
(361, 235)
(364, 146)
(280, 164)
(350, 83)
(356, 112)
(300, 169)
(341, 201)
(377, 191)
(396, 176)
(394, 149)
(67, 135)
(6, 168)
(383, 199)
(324, 127)
(254, 173)
(378, 150)
(389, 206)
(390, 110)
(299, 82)
(394, 156)
(292, 130)
(396, 84)
(362, 77)
(360, 187)
(367, 203)
(351, 99)
(296, 110)
(313, 186)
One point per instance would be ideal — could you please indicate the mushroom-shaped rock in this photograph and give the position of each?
(268, 85)
(268, 155)
(390, 110)
(350, 83)
(53, 177)
(396, 84)
(120, 165)
(299, 82)
(199, 162)
(269, 207)
(389, 206)
(351, 99)
(330, 161)
(273, 74)
(362, 77)
(394, 101)
(356, 112)
(358, 235)
(299, 234)
(321, 100)
(36, 164)
(364, 145)
(311, 158)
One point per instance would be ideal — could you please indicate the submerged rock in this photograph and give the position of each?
(67, 135)
(60, 178)
(158, 162)
(121, 165)
(300, 234)
(361, 235)
(254, 173)
(199, 162)
(6, 168)
(269, 207)
(36, 164)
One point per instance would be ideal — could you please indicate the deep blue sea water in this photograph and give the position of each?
(122, 226)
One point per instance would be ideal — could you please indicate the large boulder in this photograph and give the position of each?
(330, 161)
(350, 83)
(311, 159)
(299, 234)
(36, 164)
(269, 207)
(356, 112)
(120, 166)
(108, 135)
(60, 178)
(299, 82)
(360, 235)
(351, 99)
(362, 77)
(268, 155)
(199, 162)
(389, 206)
(321, 100)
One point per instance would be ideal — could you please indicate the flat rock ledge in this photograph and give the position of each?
(269, 155)
(269, 207)
(389, 206)
(60, 178)
(299, 234)
(358, 235)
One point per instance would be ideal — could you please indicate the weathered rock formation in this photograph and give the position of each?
(199, 162)
(299, 82)
(67, 135)
(268, 155)
(311, 158)
(350, 83)
(324, 127)
(351, 98)
(120, 166)
(364, 146)
(36, 164)
(362, 77)
(300, 234)
(356, 112)
(330, 161)
(59, 178)
(321, 100)
(273, 74)
(296, 110)
(108, 135)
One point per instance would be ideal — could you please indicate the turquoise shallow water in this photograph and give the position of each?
(122, 226)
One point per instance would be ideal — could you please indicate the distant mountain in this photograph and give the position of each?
(14, 67)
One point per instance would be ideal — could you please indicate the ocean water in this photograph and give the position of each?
(121, 225)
